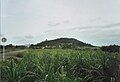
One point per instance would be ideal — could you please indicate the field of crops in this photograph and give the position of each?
(58, 65)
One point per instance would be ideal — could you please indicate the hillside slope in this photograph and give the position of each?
(61, 43)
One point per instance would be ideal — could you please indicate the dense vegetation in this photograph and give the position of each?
(64, 43)
(111, 48)
(10, 47)
(58, 65)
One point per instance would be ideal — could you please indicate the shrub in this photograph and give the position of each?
(111, 48)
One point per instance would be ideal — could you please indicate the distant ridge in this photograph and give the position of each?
(61, 43)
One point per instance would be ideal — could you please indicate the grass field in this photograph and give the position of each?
(62, 65)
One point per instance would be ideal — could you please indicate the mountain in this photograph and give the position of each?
(61, 43)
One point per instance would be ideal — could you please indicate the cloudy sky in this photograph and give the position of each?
(31, 21)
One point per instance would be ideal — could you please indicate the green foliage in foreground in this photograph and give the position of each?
(57, 65)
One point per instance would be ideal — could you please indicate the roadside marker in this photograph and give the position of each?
(4, 40)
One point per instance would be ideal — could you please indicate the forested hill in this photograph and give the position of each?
(61, 43)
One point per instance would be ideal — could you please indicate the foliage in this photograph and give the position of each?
(111, 48)
(64, 43)
(57, 65)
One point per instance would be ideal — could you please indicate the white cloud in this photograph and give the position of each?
(84, 19)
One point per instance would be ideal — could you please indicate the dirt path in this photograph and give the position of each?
(11, 54)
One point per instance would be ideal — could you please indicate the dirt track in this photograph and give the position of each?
(11, 54)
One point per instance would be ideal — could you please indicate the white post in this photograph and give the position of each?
(3, 52)
(4, 40)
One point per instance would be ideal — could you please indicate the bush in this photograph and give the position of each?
(111, 48)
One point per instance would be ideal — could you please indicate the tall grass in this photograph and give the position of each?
(62, 66)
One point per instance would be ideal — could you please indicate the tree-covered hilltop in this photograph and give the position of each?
(61, 43)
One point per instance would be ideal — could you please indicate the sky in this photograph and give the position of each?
(31, 21)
